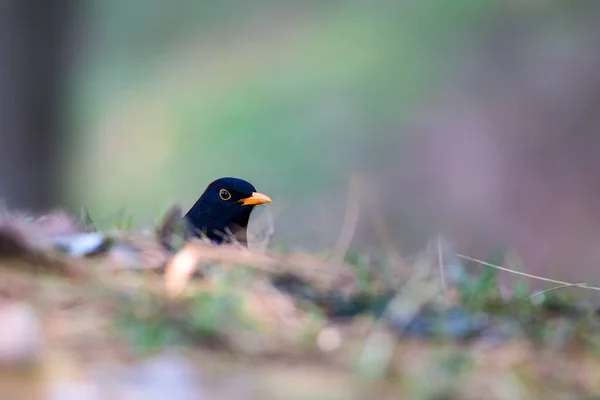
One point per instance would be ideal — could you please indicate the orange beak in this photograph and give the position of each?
(255, 199)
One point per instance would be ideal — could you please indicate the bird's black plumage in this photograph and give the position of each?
(224, 208)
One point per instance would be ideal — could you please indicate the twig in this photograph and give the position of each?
(441, 263)
(541, 278)
(555, 288)
(350, 219)
(383, 233)
(260, 231)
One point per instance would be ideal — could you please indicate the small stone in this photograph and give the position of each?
(329, 339)
(81, 244)
(21, 338)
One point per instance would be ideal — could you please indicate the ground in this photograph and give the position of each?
(91, 315)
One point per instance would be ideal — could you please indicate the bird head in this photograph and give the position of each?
(225, 206)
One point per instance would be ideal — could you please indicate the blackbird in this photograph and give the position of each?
(224, 209)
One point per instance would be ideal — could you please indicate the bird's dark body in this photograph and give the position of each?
(217, 216)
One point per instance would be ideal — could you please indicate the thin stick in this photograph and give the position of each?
(555, 288)
(541, 278)
(262, 225)
(383, 233)
(350, 219)
(441, 263)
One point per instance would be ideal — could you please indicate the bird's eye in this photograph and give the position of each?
(224, 194)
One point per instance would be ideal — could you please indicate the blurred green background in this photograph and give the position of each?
(477, 119)
(292, 96)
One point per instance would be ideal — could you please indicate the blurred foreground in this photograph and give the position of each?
(90, 315)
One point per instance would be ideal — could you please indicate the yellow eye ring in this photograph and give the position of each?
(224, 194)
